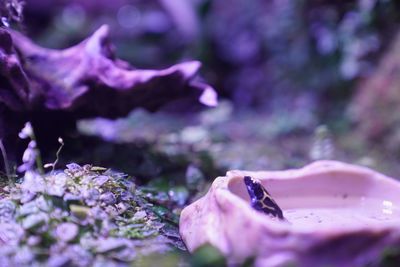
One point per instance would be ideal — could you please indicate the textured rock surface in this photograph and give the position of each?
(338, 215)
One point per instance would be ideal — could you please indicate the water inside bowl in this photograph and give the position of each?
(331, 200)
(339, 211)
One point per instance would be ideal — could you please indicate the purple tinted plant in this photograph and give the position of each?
(24, 256)
(29, 157)
(100, 180)
(66, 231)
(56, 184)
(31, 154)
(7, 210)
(35, 221)
(91, 196)
(110, 244)
(11, 233)
(56, 226)
(108, 198)
(79, 256)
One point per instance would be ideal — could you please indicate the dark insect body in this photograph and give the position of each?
(261, 200)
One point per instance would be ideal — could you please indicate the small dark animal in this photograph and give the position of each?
(261, 200)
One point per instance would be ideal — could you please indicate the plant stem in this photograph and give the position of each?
(39, 162)
(6, 166)
(58, 154)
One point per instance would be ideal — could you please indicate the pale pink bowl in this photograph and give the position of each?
(339, 215)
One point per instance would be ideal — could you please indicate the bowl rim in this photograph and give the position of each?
(317, 169)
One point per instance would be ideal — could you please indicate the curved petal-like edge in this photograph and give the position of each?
(88, 80)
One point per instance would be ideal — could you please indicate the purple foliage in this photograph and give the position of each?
(29, 157)
(66, 231)
(93, 226)
(7, 210)
(108, 198)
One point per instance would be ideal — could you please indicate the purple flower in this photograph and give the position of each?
(66, 231)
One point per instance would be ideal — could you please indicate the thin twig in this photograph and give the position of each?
(58, 153)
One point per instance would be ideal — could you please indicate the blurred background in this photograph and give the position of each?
(297, 80)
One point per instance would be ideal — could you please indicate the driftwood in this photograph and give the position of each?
(54, 88)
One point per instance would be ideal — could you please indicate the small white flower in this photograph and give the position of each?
(29, 157)
(26, 132)
(48, 165)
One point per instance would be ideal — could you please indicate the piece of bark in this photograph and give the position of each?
(49, 86)
(87, 79)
